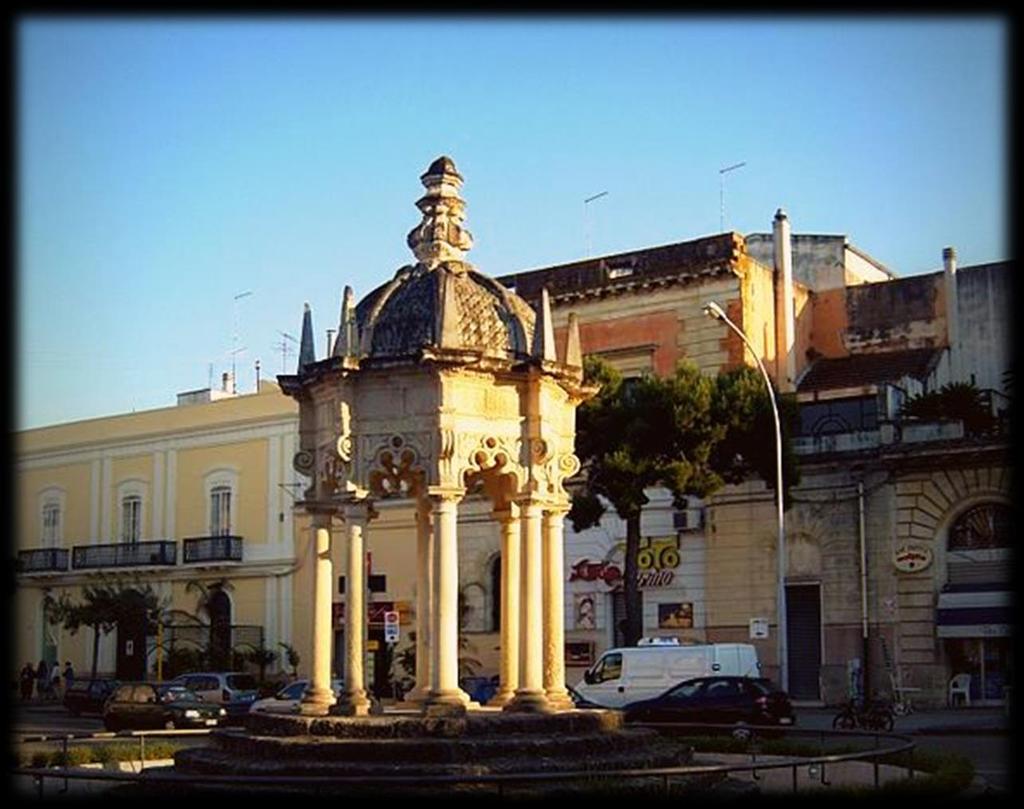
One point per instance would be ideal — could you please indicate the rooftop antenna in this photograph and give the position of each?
(234, 340)
(286, 349)
(721, 192)
(209, 377)
(586, 218)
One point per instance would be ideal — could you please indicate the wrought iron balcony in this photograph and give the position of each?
(124, 554)
(211, 549)
(43, 560)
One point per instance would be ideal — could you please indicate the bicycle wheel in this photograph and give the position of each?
(844, 721)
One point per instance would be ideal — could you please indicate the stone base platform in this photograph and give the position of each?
(410, 745)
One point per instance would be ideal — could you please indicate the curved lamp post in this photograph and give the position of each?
(712, 309)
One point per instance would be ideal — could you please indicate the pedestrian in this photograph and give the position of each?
(69, 675)
(55, 681)
(28, 675)
(42, 680)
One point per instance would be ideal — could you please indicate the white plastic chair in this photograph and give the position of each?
(960, 685)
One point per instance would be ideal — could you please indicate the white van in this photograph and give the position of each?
(622, 676)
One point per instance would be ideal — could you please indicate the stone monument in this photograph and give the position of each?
(440, 381)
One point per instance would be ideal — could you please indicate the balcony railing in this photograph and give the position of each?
(124, 554)
(211, 549)
(43, 560)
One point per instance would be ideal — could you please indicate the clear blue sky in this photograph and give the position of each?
(167, 165)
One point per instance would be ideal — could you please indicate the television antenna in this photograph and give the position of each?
(721, 192)
(586, 218)
(235, 350)
(285, 347)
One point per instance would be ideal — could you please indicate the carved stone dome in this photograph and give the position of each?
(449, 307)
(442, 303)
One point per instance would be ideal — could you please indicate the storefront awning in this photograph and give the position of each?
(974, 614)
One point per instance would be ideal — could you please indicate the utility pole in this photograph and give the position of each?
(721, 192)
(586, 218)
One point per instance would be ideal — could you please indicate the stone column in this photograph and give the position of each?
(424, 566)
(554, 608)
(530, 693)
(318, 697)
(445, 696)
(511, 567)
(354, 701)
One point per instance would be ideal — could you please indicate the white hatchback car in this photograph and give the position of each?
(287, 699)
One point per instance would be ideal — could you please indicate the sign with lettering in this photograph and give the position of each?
(911, 557)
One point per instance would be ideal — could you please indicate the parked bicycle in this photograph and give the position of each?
(877, 715)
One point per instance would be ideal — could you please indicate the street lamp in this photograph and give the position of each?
(712, 309)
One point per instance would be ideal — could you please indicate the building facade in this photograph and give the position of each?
(897, 540)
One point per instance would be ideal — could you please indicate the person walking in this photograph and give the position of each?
(55, 681)
(42, 680)
(69, 675)
(28, 676)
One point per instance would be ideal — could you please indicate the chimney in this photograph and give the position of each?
(785, 325)
(225, 382)
(952, 313)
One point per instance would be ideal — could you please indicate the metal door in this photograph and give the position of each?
(803, 640)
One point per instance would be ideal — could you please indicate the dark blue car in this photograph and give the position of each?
(743, 702)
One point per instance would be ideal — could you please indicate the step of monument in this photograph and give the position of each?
(405, 726)
(434, 750)
(221, 762)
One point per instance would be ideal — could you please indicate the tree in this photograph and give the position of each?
(958, 401)
(741, 403)
(102, 607)
(683, 432)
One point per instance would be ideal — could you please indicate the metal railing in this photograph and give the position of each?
(124, 554)
(816, 765)
(43, 560)
(211, 549)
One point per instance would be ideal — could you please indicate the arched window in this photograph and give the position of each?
(131, 518)
(496, 594)
(221, 487)
(220, 511)
(51, 517)
(984, 527)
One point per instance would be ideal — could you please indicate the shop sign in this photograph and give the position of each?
(910, 558)
(758, 628)
(585, 570)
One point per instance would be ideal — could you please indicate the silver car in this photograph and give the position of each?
(287, 699)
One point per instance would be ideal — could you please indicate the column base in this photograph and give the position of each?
(449, 702)
(559, 700)
(352, 704)
(417, 695)
(529, 702)
(502, 698)
(316, 703)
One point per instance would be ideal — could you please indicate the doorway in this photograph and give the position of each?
(803, 640)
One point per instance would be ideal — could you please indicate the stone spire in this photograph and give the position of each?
(573, 351)
(307, 353)
(544, 331)
(345, 345)
(440, 237)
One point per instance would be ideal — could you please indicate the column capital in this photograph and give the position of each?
(560, 508)
(444, 494)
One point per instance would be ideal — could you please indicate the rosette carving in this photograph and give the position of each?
(397, 471)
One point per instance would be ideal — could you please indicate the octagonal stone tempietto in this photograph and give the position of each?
(442, 380)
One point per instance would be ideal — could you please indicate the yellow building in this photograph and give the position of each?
(199, 492)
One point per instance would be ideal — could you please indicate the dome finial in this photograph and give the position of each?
(440, 237)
